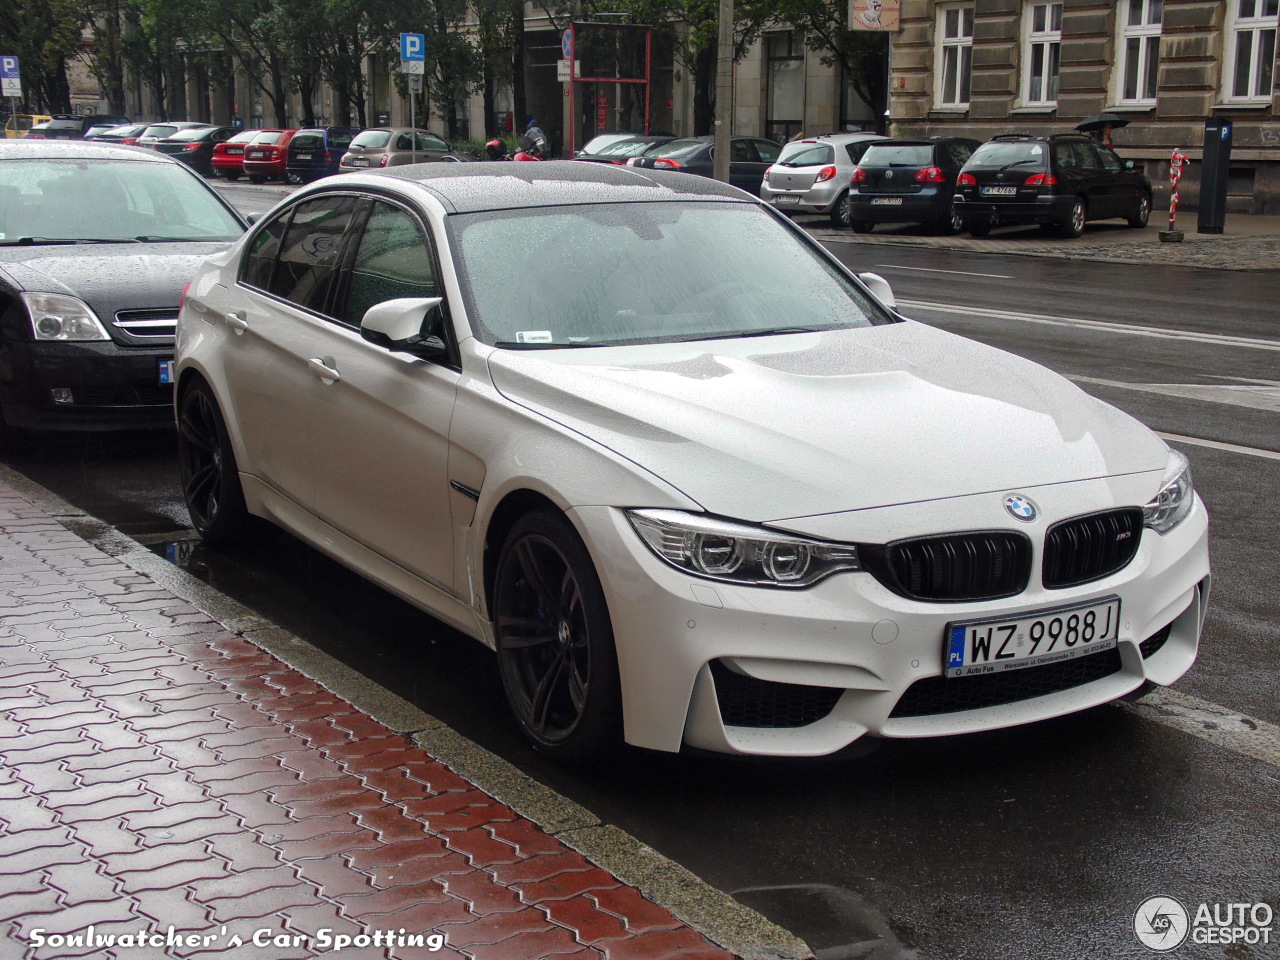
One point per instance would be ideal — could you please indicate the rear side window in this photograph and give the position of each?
(959, 152)
(857, 149)
(311, 251)
(260, 260)
(392, 261)
(898, 155)
(767, 150)
(338, 139)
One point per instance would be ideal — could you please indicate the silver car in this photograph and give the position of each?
(812, 174)
(395, 146)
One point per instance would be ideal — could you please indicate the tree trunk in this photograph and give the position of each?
(520, 105)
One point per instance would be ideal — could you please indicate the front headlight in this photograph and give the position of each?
(739, 553)
(1171, 505)
(56, 317)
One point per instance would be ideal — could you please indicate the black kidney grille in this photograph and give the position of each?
(937, 695)
(958, 566)
(748, 702)
(1089, 548)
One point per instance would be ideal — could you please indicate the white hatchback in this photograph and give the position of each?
(694, 482)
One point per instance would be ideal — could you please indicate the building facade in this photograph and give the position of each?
(984, 67)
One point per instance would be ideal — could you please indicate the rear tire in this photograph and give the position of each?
(555, 641)
(862, 226)
(1143, 212)
(1073, 225)
(207, 467)
(978, 228)
(257, 179)
(840, 211)
(231, 175)
(949, 225)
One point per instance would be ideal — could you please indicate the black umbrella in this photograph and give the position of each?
(1100, 121)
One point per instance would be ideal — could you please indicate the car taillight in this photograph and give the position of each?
(859, 175)
(385, 158)
(328, 157)
(967, 180)
(668, 163)
(182, 297)
(130, 141)
(931, 175)
(825, 174)
(766, 176)
(192, 146)
(1041, 180)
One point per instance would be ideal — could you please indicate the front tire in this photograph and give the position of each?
(1143, 212)
(207, 467)
(555, 641)
(840, 211)
(1073, 225)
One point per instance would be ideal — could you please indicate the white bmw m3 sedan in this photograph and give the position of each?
(694, 482)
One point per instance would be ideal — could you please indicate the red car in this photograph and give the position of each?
(228, 158)
(266, 155)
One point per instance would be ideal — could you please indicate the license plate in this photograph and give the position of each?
(166, 370)
(304, 156)
(360, 161)
(235, 151)
(1035, 639)
(780, 200)
(999, 191)
(254, 155)
(886, 201)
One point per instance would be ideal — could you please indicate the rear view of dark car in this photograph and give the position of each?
(1062, 181)
(909, 181)
(749, 158)
(316, 152)
(194, 147)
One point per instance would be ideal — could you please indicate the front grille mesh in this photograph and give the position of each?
(954, 567)
(748, 702)
(1151, 646)
(1084, 549)
(939, 695)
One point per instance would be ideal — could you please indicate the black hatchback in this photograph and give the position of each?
(908, 181)
(1059, 181)
(194, 147)
(315, 152)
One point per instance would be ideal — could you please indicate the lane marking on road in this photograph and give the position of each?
(1225, 728)
(1219, 445)
(959, 273)
(1256, 396)
(1098, 326)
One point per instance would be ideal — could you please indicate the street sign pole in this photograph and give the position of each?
(567, 48)
(413, 56)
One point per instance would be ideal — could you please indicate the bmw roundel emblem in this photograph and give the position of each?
(1020, 508)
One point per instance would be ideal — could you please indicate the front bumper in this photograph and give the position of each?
(858, 646)
(111, 387)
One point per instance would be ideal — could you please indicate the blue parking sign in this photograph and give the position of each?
(413, 46)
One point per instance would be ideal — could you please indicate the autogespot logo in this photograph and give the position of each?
(1161, 923)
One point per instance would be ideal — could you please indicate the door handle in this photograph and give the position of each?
(324, 368)
(237, 322)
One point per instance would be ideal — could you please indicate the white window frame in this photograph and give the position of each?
(1248, 22)
(953, 56)
(1146, 34)
(1047, 41)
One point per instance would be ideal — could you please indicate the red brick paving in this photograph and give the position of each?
(157, 770)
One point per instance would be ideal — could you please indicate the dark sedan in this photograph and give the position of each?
(749, 158)
(96, 244)
(194, 147)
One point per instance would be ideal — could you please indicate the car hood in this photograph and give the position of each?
(770, 428)
(109, 277)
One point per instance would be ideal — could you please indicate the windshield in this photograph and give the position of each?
(802, 154)
(372, 139)
(114, 200)
(606, 274)
(1000, 153)
(898, 155)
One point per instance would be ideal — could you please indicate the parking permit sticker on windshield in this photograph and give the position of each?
(533, 336)
(1035, 149)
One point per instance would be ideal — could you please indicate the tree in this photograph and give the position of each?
(42, 34)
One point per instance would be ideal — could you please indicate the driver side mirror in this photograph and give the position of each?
(1128, 164)
(413, 325)
(880, 289)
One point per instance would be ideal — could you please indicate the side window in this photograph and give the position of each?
(393, 260)
(1064, 158)
(260, 259)
(1087, 157)
(1110, 162)
(427, 141)
(959, 152)
(220, 136)
(856, 149)
(403, 142)
(740, 150)
(311, 250)
(768, 150)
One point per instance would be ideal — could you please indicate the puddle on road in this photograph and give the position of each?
(836, 923)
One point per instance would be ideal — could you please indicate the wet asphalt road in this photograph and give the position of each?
(1036, 843)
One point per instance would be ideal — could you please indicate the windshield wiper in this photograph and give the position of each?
(740, 334)
(34, 241)
(513, 345)
(1017, 162)
(156, 238)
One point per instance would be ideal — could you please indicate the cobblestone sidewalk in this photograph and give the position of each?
(169, 789)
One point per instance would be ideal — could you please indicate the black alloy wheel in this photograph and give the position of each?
(1142, 213)
(1073, 225)
(555, 642)
(207, 467)
(950, 224)
(840, 211)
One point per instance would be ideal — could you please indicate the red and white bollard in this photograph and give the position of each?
(1176, 163)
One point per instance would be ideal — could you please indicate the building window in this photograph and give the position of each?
(1139, 50)
(785, 52)
(1041, 40)
(1251, 57)
(955, 55)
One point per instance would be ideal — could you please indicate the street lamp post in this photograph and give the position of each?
(724, 93)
